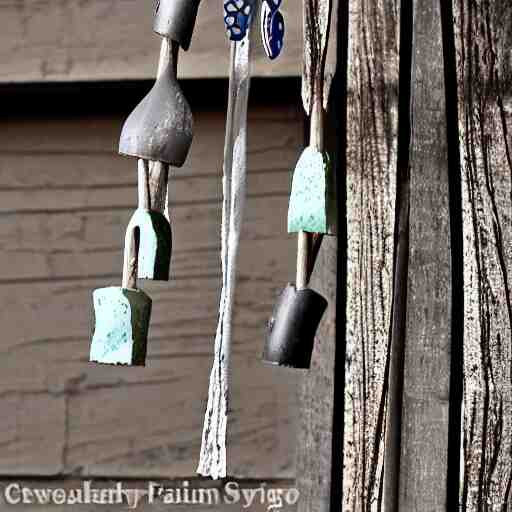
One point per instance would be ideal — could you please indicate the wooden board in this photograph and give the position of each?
(372, 124)
(484, 44)
(47, 41)
(425, 422)
(66, 197)
(314, 457)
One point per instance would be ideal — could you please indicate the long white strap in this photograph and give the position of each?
(212, 460)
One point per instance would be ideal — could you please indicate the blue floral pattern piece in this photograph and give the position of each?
(272, 28)
(237, 14)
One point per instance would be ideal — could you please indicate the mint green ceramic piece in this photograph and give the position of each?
(309, 200)
(121, 323)
(155, 244)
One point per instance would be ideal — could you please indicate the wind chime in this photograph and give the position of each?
(159, 134)
(312, 208)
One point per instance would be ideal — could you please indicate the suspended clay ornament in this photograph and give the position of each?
(312, 209)
(272, 28)
(120, 319)
(175, 19)
(161, 126)
(237, 17)
(121, 323)
(292, 327)
(158, 133)
(309, 201)
(154, 233)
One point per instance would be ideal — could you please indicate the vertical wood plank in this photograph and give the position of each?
(372, 118)
(314, 457)
(424, 458)
(484, 69)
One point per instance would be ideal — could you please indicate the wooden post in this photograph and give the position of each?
(427, 369)
(372, 140)
(484, 49)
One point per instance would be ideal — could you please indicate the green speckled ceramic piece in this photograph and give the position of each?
(309, 200)
(120, 323)
(155, 244)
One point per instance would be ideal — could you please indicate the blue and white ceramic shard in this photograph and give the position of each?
(272, 28)
(237, 14)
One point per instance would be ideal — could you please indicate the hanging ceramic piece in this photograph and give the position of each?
(212, 460)
(237, 17)
(311, 213)
(159, 133)
(121, 314)
(292, 327)
(160, 128)
(175, 20)
(154, 233)
(309, 200)
(272, 28)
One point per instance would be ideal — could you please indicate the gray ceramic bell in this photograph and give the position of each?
(175, 19)
(292, 328)
(160, 127)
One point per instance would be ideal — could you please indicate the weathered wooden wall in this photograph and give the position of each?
(65, 199)
(48, 41)
(372, 124)
(444, 320)
(484, 72)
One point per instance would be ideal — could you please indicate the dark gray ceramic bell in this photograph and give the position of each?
(175, 19)
(292, 327)
(160, 127)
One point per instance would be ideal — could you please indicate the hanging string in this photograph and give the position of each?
(212, 460)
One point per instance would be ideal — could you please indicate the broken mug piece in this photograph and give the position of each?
(292, 328)
(161, 126)
(175, 19)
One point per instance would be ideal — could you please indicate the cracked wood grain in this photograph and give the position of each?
(484, 72)
(373, 59)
